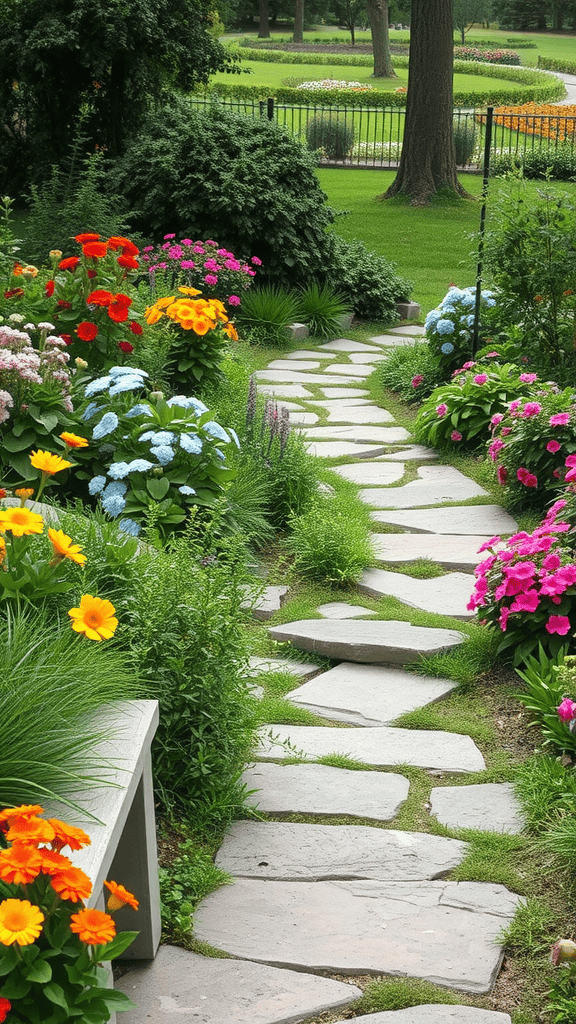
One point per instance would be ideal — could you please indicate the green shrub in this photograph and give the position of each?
(332, 134)
(464, 141)
(322, 309)
(412, 371)
(244, 181)
(568, 67)
(366, 280)
(545, 688)
(331, 541)
(267, 312)
(556, 162)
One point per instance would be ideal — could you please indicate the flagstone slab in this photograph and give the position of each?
(344, 392)
(382, 746)
(436, 1013)
(447, 595)
(444, 932)
(372, 473)
(289, 852)
(346, 345)
(363, 414)
(303, 419)
(343, 610)
(337, 404)
(413, 452)
(350, 369)
(488, 520)
(305, 353)
(451, 551)
(295, 364)
(192, 989)
(264, 604)
(291, 406)
(288, 391)
(436, 486)
(390, 642)
(337, 449)
(394, 340)
(367, 695)
(303, 670)
(320, 789)
(410, 329)
(299, 377)
(489, 807)
(367, 357)
(359, 434)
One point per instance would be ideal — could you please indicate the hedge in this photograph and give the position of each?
(553, 64)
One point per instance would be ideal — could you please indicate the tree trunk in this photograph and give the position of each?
(298, 36)
(263, 24)
(428, 160)
(352, 34)
(378, 18)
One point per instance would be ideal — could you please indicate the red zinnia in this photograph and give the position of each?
(117, 312)
(92, 273)
(128, 262)
(86, 331)
(62, 304)
(99, 297)
(66, 338)
(5, 1007)
(49, 289)
(82, 239)
(14, 293)
(119, 242)
(70, 263)
(96, 249)
(135, 327)
(123, 299)
(125, 346)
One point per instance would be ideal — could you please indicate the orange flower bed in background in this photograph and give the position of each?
(547, 120)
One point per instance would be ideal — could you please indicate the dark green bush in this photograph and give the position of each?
(412, 371)
(240, 180)
(557, 162)
(464, 141)
(366, 280)
(332, 134)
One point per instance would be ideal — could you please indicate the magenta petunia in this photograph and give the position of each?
(441, 409)
(497, 418)
(417, 380)
(480, 378)
(528, 378)
(559, 419)
(531, 409)
(558, 624)
(553, 447)
(455, 435)
(566, 710)
(526, 602)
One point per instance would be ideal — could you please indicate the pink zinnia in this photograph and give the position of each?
(531, 409)
(442, 409)
(514, 405)
(560, 419)
(497, 418)
(530, 480)
(553, 446)
(211, 279)
(480, 378)
(558, 624)
(256, 261)
(468, 366)
(417, 380)
(233, 300)
(570, 461)
(455, 436)
(528, 378)
(566, 710)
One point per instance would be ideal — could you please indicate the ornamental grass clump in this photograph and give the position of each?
(203, 264)
(449, 327)
(526, 586)
(200, 332)
(51, 943)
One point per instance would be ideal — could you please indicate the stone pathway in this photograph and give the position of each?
(309, 899)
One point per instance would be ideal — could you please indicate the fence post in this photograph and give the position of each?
(487, 145)
(270, 108)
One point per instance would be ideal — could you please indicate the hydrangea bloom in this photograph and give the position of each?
(191, 443)
(139, 466)
(113, 504)
(164, 453)
(95, 386)
(96, 485)
(214, 428)
(129, 526)
(445, 327)
(158, 437)
(185, 489)
(137, 410)
(107, 424)
(118, 470)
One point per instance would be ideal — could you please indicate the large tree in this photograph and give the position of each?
(298, 36)
(467, 13)
(378, 17)
(428, 161)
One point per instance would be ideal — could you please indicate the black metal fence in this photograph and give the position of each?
(372, 136)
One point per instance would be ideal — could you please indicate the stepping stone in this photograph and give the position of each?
(436, 1013)
(265, 604)
(390, 642)
(343, 610)
(436, 486)
(367, 695)
(367, 357)
(337, 404)
(360, 434)
(337, 449)
(303, 419)
(305, 353)
(361, 415)
(344, 392)
(303, 670)
(192, 989)
(296, 364)
(322, 790)
(289, 852)
(382, 746)
(452, 552)
(394, 340)
(345, 345)
(299, 377)
(288, 391)
(488, 520)
(444, 932)
(490, 807)
(372, 473)
(447, 594)
(415, 329)
(350, 369)
(410, 453)
(291, 406)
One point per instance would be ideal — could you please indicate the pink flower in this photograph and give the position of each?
(502, 474)
(570, 461)
(492, 355)
(503, 620)
(417, 380)
(166, 237)
(530, 480)
(553, 446)
(455, 436)
(211, 279)
(528, 378)
(489, 544)
(442, 409)
(468, 366)
(480, 378)
(512, 406)
(570, 475)
(497, 418)
(256, 261)
(521, 571)
(531, 409)
(494, 447)
(551, 562)
(233, 300)
(560, 419)
(558, 624)
(567, 709)
(505, 431)
(526, 602)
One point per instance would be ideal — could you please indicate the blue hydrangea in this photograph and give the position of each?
(468, 300)
(452, 295)
(216, 430)
(191, 444)
(139, 466)
(100, 384)
(447, 348)
(125, 384)
(117, 488)
(96, 484)
(118, 470)
(234, 436)
(91, 409)
(188, 403)
(185, 489)
(129, 526)
(445, 327)
(113, 504)
(164, 453)
(118, 371)
(137, 410)
(469, 320)
(449, 310)
(220, 454)
(158, 436)
(107, 424)
(432, 318)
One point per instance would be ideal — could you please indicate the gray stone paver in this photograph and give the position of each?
(367, 695)
(350, 369)
(489, 807)
(192, 989)
(371, 473)
(442, 931)
(416, 452)
(367, 357)
(358, 433)
(338, 404)
(293, 364)
(343, 610)
(303, 419)
(345, 345)
(363, 414)
(437, 486)
(446, 595)
(436, 1013)
(322, 790)
(389, 642)
(414, 329)
(489, 520)
(265, 604)
(290, 852)
(382, 746)
(394, 341)
(301, 669)
(285, 391)
(305, 353)
(344, 392)
(300, 377)
(336, 449)
(453, 551)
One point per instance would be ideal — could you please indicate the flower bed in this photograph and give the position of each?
(487, 56)
(546, 120)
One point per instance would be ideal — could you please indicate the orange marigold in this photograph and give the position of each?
(53, 862)
(86, 237)
(119, 897)
(68, 835)
(64, 548)
(49, 463)
(23, 811)
(74, 440)
(20, 864)
(30, 830)
(20, 521)
(72, 884)
(95, 618)
(20, 922)
(93, 927)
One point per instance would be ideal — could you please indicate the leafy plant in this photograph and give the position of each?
(330, 540)
(322, 309)
(544, 693)
(411, 371)
(267, 312)
(191, 876)
(368, 281)
(464, 141)
(200, 331)
(331, 134)
(449, 327)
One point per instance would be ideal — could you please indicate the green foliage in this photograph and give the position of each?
(322, 309)
(464, 141)
(191, 876)
(412, 371)
(368, 281)
(555, 162)
(331, 134)
(528, 934)
(331, 541)
(568, 67)
(241, 180)
(397, 993)
(542, 783)
(267, 313)
(545, 690)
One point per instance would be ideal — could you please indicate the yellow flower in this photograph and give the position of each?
(56, 254)
(20, 922)
(64, 548)
(24, 493)
(119, 897)
(20, 521)
(74, 440)
(48, 463)
(231, 331)
(2, 550)
(30, 271)
(152, 315)
(94, 618)
(189, 291)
